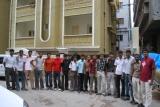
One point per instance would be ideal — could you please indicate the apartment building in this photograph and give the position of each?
(4, 25)
(124, 25)
(65, 26)
(147, 18)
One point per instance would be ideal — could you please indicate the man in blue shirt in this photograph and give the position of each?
(81, 68)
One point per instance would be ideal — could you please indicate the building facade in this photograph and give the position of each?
(4, 25)
(147, 18)
(124, 25)
(83, 26)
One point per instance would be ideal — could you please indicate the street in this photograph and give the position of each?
(44, 98)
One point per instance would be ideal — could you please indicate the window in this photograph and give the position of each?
(120, 37)
(25, 29)
(121, 20)
(89, 27)
(120, 4)
(75, 29)
(25, 2)
(45, 27)
(31, 33)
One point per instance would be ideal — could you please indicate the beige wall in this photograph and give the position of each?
(102, 34)
(4, 24)
(55, 34)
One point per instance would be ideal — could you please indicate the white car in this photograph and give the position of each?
(2, 68)
(10, 99)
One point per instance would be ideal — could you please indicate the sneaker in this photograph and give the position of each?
(24, 89)
(109, 94)
(126, 98)
(133, 102)
(55, 89)
(99, 94)
(59, 89)
(117, 96)
(105, 94)
(140, 105)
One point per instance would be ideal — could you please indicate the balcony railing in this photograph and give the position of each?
(25, 42)
(78, 35)
(77, 3)
(26, 10)
(78, 40)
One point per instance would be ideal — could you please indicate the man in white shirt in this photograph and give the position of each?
(29, 66)
(119, 64)
(128, 62)
(9, 63)
(20, 63)
(73, 73)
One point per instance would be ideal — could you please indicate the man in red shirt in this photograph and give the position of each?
(48, 68)
(57, 70)
(146, 80)
(92, 74)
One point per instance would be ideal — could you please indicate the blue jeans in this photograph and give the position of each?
(57, 77)
(48, 78)
(128, 86)
(38, 79)
(20, 75)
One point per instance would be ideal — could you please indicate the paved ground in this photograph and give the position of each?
(44, 98)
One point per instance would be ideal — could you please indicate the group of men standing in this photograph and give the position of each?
(129, 77)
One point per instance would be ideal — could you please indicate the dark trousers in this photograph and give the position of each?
(65, 81)
(10, 73)
(38, 79)
(20, 75)
(80, 81)
(48, 78)
(118, 79)
(86, 81)
(57, 77)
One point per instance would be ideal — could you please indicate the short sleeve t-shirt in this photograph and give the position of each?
(28, 65)
(20, 63)
(147, 66)
(73, 66)
(119, 63)
(39, 63)
(10, 61)
(127, 64)
(136, 68)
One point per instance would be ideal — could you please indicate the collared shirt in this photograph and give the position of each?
(57, 65)
(10, 61)
(73, 66)
(93, 66)
(39, 63)
(20, 62)
(101, 65)
(28, 65)
(81, 66)
(87, 66)
(136, 68)
(147, 66)
(127, 64)
(119, 63)
(65, 65)
(48, 65)
(110, 65)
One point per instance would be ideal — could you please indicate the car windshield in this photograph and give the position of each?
(1, 60)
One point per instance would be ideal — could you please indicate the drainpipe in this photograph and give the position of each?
(10, 24)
